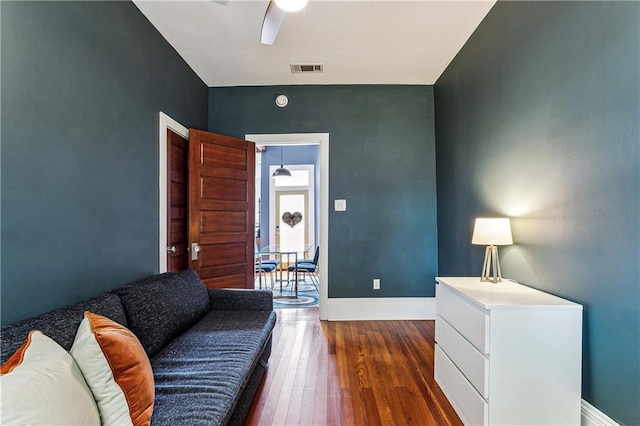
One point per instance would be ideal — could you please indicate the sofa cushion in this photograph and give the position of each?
(200, 376)
(116, 369)
(227, 299)
(41, 384)
(160, 307)
(61, 324)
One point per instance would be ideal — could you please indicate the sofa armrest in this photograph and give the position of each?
(240, 300)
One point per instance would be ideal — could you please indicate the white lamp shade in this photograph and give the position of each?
(492, 232)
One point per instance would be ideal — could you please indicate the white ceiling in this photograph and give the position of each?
(359, 42)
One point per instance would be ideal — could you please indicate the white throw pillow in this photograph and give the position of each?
(116, 369)
(42, 385)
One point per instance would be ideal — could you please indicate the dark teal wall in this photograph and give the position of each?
(82, 86)
(292, 155)
(537, 118)
(381, 160)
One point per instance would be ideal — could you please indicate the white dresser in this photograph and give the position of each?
(507, 354)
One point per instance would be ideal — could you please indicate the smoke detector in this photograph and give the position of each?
(282, 101)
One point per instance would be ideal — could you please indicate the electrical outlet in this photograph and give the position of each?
(376, 283)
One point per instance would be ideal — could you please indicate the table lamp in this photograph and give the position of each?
(492, 232)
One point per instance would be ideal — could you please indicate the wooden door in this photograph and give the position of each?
(221, 209)
(177, 196)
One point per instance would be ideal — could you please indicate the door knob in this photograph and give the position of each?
(195, 249)
(171, 249)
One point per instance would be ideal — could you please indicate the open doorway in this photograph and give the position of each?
(289, 209)
(167, 125)
(320, 239)
(217, 232)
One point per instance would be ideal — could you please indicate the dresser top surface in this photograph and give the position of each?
(504, 295)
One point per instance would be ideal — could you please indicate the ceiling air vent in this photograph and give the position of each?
(298, 68)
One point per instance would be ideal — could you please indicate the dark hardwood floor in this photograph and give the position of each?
(350, 373)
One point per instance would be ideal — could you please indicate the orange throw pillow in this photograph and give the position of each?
(117, 370)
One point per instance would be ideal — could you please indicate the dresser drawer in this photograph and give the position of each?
(472, 409)
(473, 364)
(471, 322)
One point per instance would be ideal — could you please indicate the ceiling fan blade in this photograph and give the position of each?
(273, 20)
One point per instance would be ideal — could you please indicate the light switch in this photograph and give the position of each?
(340, 205)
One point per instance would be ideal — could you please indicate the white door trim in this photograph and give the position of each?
(165, 122)
(321, 139)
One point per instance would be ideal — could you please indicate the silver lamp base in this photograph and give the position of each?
(491, 267)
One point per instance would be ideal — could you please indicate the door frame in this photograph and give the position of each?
(321, 139)
(165, 123)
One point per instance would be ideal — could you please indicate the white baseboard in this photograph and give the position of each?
(377, 308)
(591, 416)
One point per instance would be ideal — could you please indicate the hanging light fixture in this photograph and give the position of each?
(292, 6)
(281, 171)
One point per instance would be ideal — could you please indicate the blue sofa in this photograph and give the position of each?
(208, 348)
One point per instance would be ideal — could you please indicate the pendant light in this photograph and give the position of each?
(281, 171)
